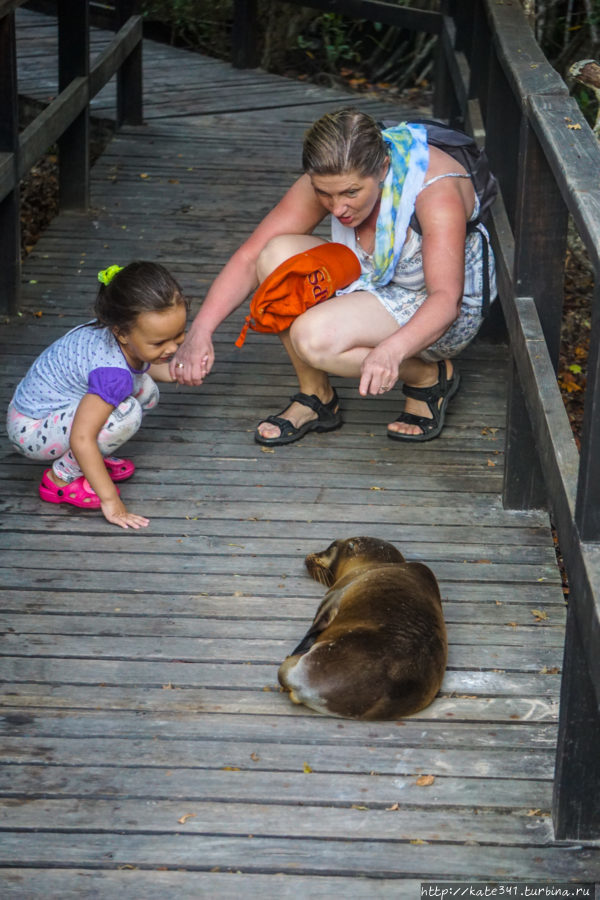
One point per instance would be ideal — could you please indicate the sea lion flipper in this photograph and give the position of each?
(324, 616)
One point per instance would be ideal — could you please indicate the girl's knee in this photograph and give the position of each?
(148, 394)
(123, 422)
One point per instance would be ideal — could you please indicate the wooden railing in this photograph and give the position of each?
(494, 82)
(64, 121)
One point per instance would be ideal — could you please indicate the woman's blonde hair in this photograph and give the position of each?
(344, 141)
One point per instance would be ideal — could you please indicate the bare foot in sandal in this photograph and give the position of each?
(424, 413)
(306, 413)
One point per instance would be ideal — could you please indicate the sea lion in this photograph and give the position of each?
(377, 646)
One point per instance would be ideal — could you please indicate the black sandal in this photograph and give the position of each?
(328, 418)
(444, 390)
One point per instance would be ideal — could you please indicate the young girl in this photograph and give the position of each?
(87, 393)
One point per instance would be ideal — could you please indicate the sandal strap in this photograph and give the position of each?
(325, 411)
(285, 426)
(423, 422)
(430, 394)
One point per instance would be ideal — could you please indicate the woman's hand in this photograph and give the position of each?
(116, 513)
(379, 371)
(194, 358)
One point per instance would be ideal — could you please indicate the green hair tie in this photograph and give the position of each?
(107, 275)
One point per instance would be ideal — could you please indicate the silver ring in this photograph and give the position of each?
(179, 366)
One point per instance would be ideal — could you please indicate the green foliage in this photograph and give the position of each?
(199, 24)
(333, 40)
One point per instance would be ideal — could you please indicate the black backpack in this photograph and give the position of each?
(464, 150)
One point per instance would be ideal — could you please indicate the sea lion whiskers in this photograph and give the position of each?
(317, 571)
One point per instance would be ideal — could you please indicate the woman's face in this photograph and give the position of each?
(351, 198)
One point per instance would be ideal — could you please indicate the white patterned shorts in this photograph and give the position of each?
(403, 300)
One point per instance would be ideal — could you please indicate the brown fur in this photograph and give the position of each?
(377, 647)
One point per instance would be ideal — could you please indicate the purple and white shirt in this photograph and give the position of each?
(86, 360)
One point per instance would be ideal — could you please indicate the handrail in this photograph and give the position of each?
(65, 120)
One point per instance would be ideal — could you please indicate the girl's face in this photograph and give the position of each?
(154, 337)
(351, 198)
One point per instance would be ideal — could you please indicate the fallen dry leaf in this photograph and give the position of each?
(306, 768)
(393, 807)
(539, 614)
(425, 780)
(183, 819)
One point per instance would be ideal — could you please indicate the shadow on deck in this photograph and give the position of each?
(148, 749)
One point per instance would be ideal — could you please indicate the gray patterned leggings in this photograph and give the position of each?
(48, 438)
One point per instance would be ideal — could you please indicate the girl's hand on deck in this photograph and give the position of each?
(194, 359)
(378, 372)
(116, 513)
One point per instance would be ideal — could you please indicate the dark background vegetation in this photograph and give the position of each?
(333, 50)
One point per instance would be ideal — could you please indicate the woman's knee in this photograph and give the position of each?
(314, 342)
(280, 248)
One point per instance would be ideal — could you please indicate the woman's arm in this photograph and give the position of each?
(298, 212)
(91, 415)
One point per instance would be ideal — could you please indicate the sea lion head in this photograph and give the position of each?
(342, 556)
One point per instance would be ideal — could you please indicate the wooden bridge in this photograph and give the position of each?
(147, 750)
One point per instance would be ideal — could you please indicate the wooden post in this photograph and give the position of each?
(540, 227)
(130, 74)
(10, 232)
(575, 807)
(442, 94)
(540, 237)
(243, 34)
(479, 59)
(74, 145)
(587, 507)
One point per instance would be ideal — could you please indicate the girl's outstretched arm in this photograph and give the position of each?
(91, 415)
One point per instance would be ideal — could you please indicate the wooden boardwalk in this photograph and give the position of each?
(147, 749)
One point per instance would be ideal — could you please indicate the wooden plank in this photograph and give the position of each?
(130, 883)
(240, 819)
(333, 857)
(197, 784)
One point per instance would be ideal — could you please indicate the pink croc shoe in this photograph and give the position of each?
(77, 493)
(119, 469)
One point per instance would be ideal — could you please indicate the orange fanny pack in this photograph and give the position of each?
(297, 284)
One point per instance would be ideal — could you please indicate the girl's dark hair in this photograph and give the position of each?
(344, 141)
(139, 287)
